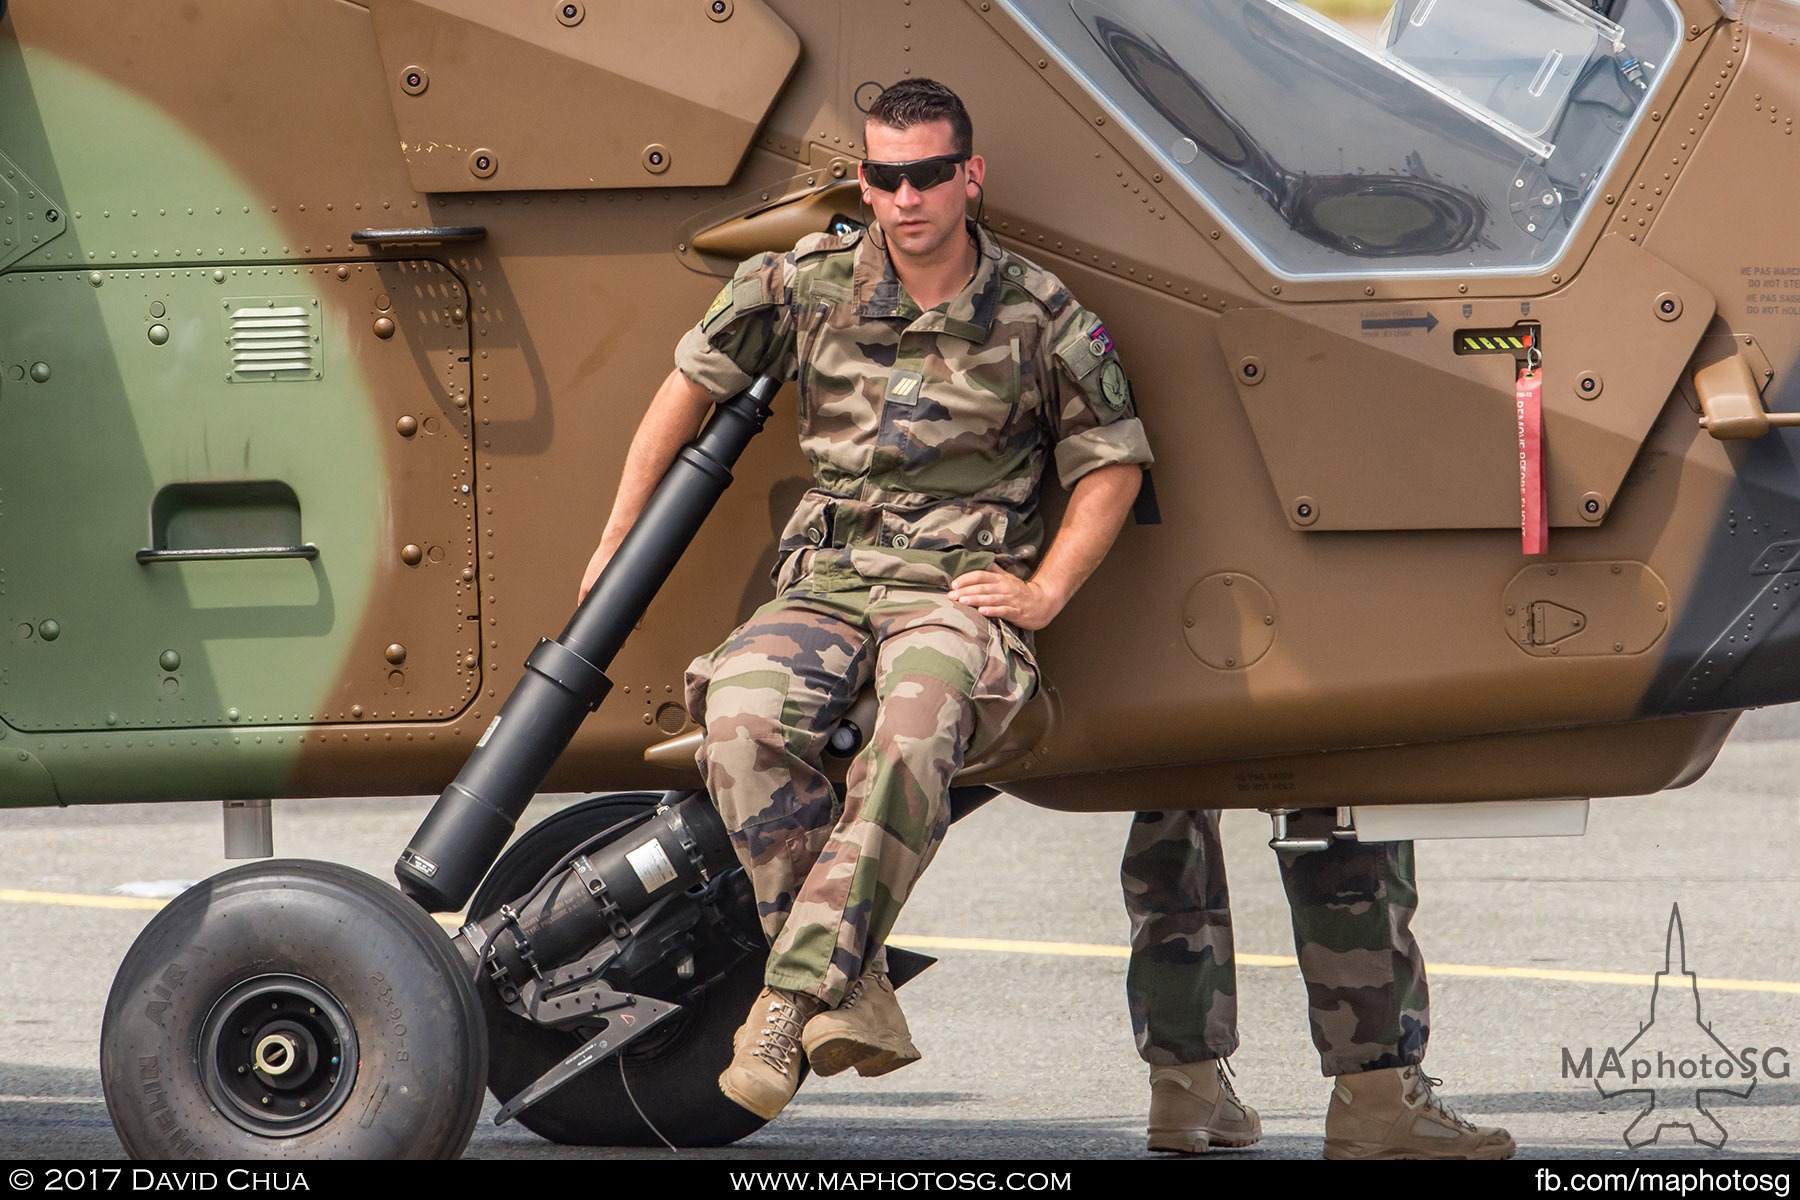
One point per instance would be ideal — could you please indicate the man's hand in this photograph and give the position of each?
(1024, 602)
(1097, 508)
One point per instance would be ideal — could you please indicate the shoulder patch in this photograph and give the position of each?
(1101, 341)
(1083, 345)
(720, 303)
(1114, 388)
(1085, 350)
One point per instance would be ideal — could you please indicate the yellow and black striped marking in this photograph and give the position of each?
(1516, 340)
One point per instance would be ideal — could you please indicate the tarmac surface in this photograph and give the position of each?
(1535, 946)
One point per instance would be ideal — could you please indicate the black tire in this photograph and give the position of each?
(673, 1073)
(362, 1021)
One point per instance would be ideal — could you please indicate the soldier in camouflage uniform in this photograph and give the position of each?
(938, 375)
(1352, 906)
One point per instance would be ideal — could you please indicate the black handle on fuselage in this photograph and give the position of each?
(565, 678)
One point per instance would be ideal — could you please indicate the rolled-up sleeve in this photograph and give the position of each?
(1092, 413)
(1123, 441)
(747, 331)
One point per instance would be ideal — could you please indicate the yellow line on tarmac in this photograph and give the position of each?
(1089, 950)
(67, 900)
(1059, 949)
(1611, 977)
(1056, 949)
(450, 921)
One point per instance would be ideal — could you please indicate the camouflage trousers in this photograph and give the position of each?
(830, 878)
(1351, 905)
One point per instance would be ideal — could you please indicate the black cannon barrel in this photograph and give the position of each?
(565, 678)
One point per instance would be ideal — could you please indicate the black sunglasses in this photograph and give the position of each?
(923, 173)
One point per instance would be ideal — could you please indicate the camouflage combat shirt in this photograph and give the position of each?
(927, 431)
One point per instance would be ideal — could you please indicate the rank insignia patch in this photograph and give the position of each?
(903, 387)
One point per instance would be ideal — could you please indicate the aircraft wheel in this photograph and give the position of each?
(671, 1073)
(293, 1009)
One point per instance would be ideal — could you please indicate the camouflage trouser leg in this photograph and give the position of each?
(1180, 986)
(768, 698)
(1352, 907)
(829, 885)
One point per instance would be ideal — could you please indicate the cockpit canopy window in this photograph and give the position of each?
(1471, 136)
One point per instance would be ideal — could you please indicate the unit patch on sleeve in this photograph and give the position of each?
(1113, 385)
(720, 303)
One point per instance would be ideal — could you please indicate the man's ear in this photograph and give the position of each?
(975, 172)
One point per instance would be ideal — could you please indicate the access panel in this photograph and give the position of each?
(235, 496)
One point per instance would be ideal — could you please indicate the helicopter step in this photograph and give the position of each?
(1413, 822)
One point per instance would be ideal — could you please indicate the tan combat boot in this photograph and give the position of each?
(1395, 1114)
(1194, 1108)
(765, 1066)
(866, 1031)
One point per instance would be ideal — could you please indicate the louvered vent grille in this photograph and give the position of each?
(274, 342)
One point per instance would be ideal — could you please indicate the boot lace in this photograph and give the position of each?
(853, 995)
(778, 1041)
(859, 989)
(1424, 1083)
(1225, 1074)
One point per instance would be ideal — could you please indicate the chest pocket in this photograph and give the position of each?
(953, 406)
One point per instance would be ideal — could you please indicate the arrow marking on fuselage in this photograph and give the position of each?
(1428, 322)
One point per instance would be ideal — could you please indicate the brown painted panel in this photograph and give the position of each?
(1367, 418)
(1568, 609)
(1628, 759)
(600, 94)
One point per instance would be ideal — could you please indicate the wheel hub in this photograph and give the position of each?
(278, 1055)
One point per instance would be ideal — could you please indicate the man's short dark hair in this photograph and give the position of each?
(919, 101)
